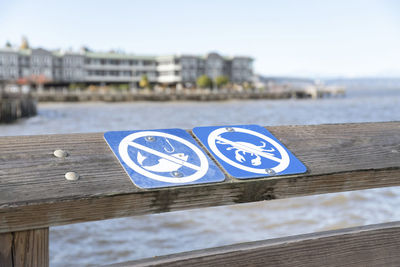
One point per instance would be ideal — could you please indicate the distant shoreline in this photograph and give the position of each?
(185, 95)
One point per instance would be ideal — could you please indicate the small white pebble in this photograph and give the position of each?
(59, 153)
(71, 176)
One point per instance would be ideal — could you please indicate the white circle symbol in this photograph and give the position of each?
(129, 141)
(215, 135)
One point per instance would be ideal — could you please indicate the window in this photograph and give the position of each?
(114, 62)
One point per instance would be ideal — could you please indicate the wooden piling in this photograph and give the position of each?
(16, 106)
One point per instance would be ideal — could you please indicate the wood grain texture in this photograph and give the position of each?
(6, 243)
(25, 248)
(31, 248)
(373, 245)
(35, 194)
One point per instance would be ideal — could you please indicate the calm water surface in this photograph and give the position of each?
(118, 240)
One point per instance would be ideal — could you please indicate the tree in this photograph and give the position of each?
(85, 49)
(144, 82)
(8, 44)
(73, 86)
(221, 80)
(247, 85)
(123, 87)
(204, 81)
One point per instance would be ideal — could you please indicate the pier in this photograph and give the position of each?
(34, 195)
(14, 106)
(183, 95)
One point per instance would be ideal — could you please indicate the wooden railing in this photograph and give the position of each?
(34, 195)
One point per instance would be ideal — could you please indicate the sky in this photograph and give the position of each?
(286, 38)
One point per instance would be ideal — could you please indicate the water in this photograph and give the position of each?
(124, 239)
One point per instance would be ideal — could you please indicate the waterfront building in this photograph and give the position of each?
(118, 68)
(87, 67)
(9, 67)
(187, 68)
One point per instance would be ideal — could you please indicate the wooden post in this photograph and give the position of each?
(6, 249)
(25, 248)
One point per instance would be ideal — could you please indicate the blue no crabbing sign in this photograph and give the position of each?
(161, 158)
(248, 151)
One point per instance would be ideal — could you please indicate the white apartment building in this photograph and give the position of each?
(118, 68)
(65, 67)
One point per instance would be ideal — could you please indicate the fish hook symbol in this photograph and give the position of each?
(166, 150)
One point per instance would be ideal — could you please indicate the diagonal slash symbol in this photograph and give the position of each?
(164, 156)
(130, 165)
(283, 162)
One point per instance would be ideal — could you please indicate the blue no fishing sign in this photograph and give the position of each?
(248, 151)
(161, 158)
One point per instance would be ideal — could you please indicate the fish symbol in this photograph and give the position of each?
(163, 165)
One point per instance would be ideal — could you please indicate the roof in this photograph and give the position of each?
(227, 58)
(61, 53)
(25, 52)
(115, 55)
(16, 50)
(166, 57)
(111, 55)
(8, 50)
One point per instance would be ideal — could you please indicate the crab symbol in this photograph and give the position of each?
(240, 153)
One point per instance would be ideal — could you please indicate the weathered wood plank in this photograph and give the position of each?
(31, 248)
(374, 245)
(6, 240)
(25, 248)
(35, 194)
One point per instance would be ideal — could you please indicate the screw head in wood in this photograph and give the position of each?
(59, 153)
(71, 176)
